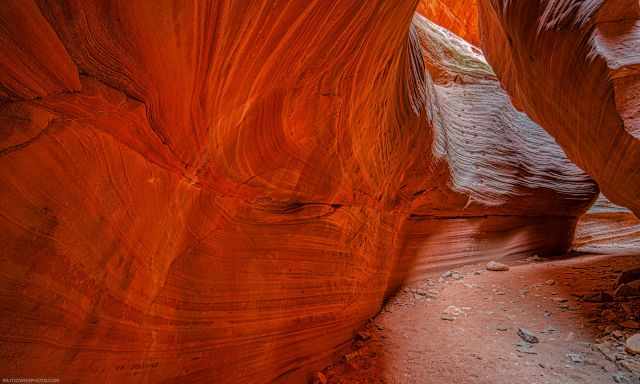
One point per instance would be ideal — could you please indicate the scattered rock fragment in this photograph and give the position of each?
(496, 266)
(453, 311)
(550, 282)
(632, 345)
(502, 328)
(452, 275)
(575, 358)
(425, 293)
(527, 336)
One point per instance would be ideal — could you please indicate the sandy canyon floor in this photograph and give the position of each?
(462, 327)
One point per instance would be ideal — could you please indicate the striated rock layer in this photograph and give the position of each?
(504, 200)
(573, 66)
(223, 191)
(606, 225)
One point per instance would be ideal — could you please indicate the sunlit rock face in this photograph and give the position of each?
(572, 66)
(458, 16)
(502, 199)
(607, 226)
(223, 191)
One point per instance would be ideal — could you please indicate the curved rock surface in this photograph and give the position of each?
(501, 200)
(223, 191)
(459, 17)
(573, 66)
(606, 225)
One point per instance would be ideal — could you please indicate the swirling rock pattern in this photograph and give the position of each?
(573, 66)
(222, 191)
(503, 200)
(607, 226)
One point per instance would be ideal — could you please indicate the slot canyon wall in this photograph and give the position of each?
(459, 17)
(573, 67)
(605, 226)
(224, 190)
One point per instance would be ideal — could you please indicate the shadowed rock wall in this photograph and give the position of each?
(573, 67)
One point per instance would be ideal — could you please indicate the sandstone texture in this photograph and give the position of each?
(460, 17)
(606, 225)
(223, 191)
(573, 67)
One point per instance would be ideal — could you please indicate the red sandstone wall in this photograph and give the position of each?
(573, 67)
(460, 17)
(223, 191)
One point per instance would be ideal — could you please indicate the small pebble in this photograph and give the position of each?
(632, 345)
(496, 266)
(527, 336)
(575, 358)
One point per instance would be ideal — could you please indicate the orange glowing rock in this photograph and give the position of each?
(224, 191)
(458, 16)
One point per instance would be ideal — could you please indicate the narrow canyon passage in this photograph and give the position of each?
(572, 304)
(230, 191)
